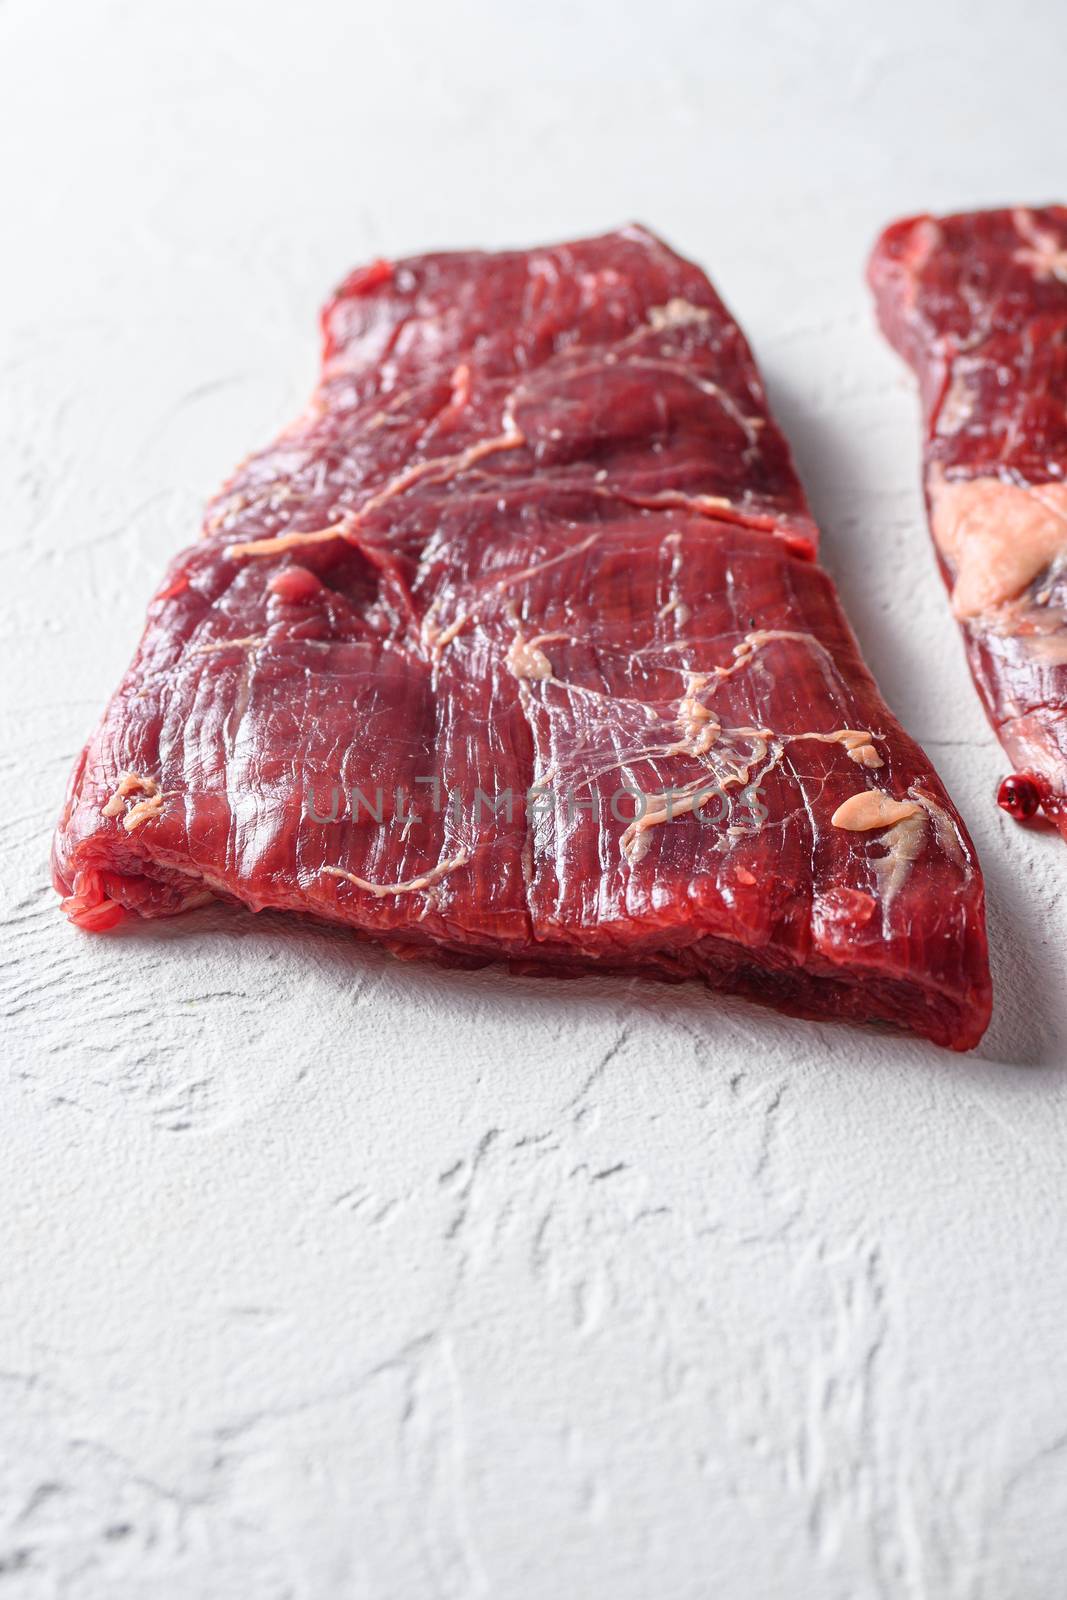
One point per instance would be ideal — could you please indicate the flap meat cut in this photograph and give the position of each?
(537, 530)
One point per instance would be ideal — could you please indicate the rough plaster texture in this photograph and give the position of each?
(324, 1276)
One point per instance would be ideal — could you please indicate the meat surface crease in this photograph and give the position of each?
(514, 646)
(977, 304)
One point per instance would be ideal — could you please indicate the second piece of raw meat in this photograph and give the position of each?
(977, 303)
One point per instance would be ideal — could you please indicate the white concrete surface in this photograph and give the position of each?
(323, 1276)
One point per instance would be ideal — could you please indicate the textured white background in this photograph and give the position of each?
(323, 1276)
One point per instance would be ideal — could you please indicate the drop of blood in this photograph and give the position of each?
(1019, 796)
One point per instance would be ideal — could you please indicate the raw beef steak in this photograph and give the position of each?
(537, 531)
(978, 305)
